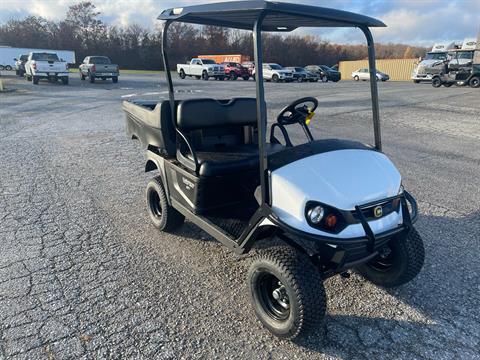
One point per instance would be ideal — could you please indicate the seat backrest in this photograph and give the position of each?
(211, 123)
(197, 114)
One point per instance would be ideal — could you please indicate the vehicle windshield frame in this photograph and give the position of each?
(93, 60)
(37, 56)
(208, 61)
(258, 16)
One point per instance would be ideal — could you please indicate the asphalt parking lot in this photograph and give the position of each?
(83, 274)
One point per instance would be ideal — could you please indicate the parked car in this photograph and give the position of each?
(20, 64)
(234, 70)
(332, 74)
(250, 65)
(274, 72)
(45, 65)
(201, 68)
(364, 74)
(324, 72)
(98, 67)
(300, 74)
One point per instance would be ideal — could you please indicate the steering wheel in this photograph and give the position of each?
(297, 111)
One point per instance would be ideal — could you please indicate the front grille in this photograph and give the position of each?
(387, 208)
(421, 70)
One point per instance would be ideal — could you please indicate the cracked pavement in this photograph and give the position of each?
(83, 274)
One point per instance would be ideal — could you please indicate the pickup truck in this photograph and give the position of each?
(201, 68)
(44, 65)
(20, 64)
(98, 67)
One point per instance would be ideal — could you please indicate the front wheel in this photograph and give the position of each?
(474, 82)
(416, 81)
(275, 78)
(398, 263)
(436, 82)
(204, 75)
(286, 291)
(181, 74)
(356, 78)
(115, 79)
(163, 216)
(233, 75)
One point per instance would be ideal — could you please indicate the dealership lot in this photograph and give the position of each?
(83, 273)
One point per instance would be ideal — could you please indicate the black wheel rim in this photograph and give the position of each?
(475, 82)
(154, 203)
(383, 262)
(273, 297)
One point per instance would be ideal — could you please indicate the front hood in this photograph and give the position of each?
(341, 178)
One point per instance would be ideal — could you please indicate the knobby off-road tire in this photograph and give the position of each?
(474, 82)
(291, 273)
(436, 82)
(163, 216)
(402, 264)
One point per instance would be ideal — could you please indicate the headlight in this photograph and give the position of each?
(316, 213)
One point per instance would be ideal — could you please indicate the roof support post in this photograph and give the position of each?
(373, 88)
(261, 106)
(168, 75)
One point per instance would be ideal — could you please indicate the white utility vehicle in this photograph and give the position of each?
(432, 64)
(201, 68)
(274, 72)
(320, 208)
(47, 66)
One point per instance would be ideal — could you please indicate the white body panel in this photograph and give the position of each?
(43, 68)
(341, 179)
(7, 54)
(442, 47)
(469, 44)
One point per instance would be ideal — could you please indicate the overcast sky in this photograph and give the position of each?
(420, 22)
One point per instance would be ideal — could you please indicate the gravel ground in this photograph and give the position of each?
(83, 274)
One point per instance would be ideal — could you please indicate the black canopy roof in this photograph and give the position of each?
(280, 16)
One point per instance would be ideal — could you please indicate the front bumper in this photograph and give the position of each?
(422, 77)
(216, 73)
(345, 253)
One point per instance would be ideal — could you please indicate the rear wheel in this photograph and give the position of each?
(474, 82)
(286, 291)
(204, 75)
(8, 68)
(115, 79)
(181, 74)
(436, 82)
(398, 263)
(275, 78)
(163, 216)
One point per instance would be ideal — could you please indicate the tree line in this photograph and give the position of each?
(137, 47)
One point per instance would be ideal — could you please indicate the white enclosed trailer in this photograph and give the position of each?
(8, 54)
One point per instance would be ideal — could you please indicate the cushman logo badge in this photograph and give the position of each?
(377, 211)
